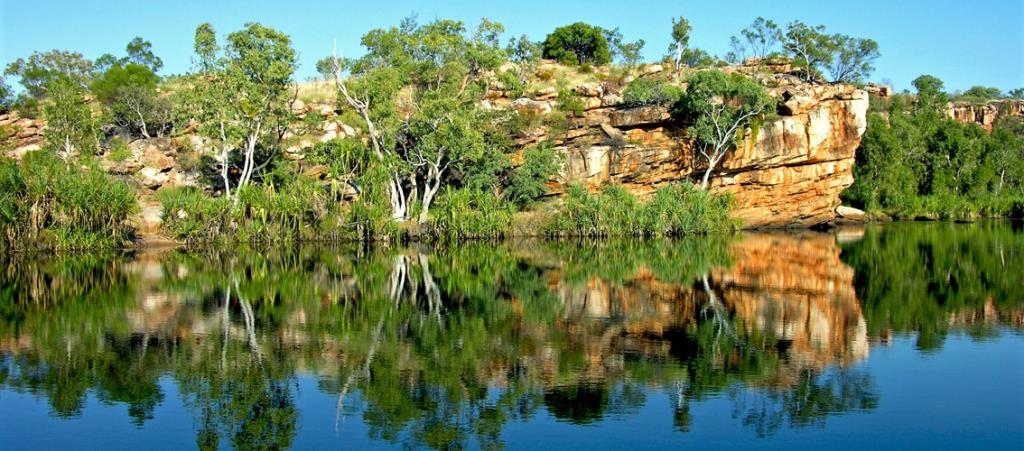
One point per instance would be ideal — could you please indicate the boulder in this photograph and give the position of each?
(155, 152)
(152, 178)
(850, 213)
(531, 106)
(548, 93)
(589, 89)
(790, 173)
(651, 69)
(643, 115)
(317, 171)
(20, 152)
(609, 100)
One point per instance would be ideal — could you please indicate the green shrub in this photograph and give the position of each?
(48, 203)
(512, 84)
(568, 101)
(294, 211)
(529, 180)
(461, 214)
(192, 215)
(672, 211)
(648, 91)
(577, 44)
(119, 150)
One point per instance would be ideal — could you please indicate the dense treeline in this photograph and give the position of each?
(915, 161)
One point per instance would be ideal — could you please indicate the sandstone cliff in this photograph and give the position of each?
(788, 173)
(985, 114)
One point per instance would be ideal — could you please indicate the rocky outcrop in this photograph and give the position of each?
(788, 172)
(985, 114)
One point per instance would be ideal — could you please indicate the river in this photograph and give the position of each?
(903, 335)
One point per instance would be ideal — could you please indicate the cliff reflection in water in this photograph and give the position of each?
(446, 347)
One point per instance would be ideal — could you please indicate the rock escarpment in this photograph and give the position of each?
(985, 114)
(788, 172)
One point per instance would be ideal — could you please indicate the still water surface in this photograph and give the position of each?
(895, 336)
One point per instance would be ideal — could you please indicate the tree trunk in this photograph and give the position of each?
(706, 179)
(429, 192)
(142, 124)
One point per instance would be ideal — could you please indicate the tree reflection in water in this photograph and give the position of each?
(444, 347)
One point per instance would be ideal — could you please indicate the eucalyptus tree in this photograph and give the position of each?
(240, 96)
(5, 95)
(852, 59)
(760, 39)
(578, 44)
(680, 39)
(628, 53)
(417, 91)
(41, 68)
(70, 126)
(809, 47)
(721, 106)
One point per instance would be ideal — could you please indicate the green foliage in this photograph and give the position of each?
(852, 59)
(628, 53)
(436, 72)
(680, 39)
(694, 57)
(568, 101)
(39, 72)
(70, 126)
(48, 203)
(6, 96)
(577, 44)
(980, 94)
(930, 94)
(128, 92)
(809, 47)
(106, 86)
(675, 210)
(529, 180)
(761, 38)
(141, 52)
(295, 211)
(650, 91)
(512, 83)
(118, 150)
(916, 163)
(463, 214)
(240, 99)
(721, 107)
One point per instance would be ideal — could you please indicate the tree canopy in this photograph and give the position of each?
(578, 44)
(721, 106)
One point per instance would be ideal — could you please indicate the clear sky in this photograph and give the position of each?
(964, 43)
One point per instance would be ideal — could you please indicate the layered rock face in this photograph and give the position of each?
(984, 115)
(788, 172)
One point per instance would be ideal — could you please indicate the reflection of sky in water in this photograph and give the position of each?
(967, 395)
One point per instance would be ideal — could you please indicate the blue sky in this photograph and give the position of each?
(965, 43)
